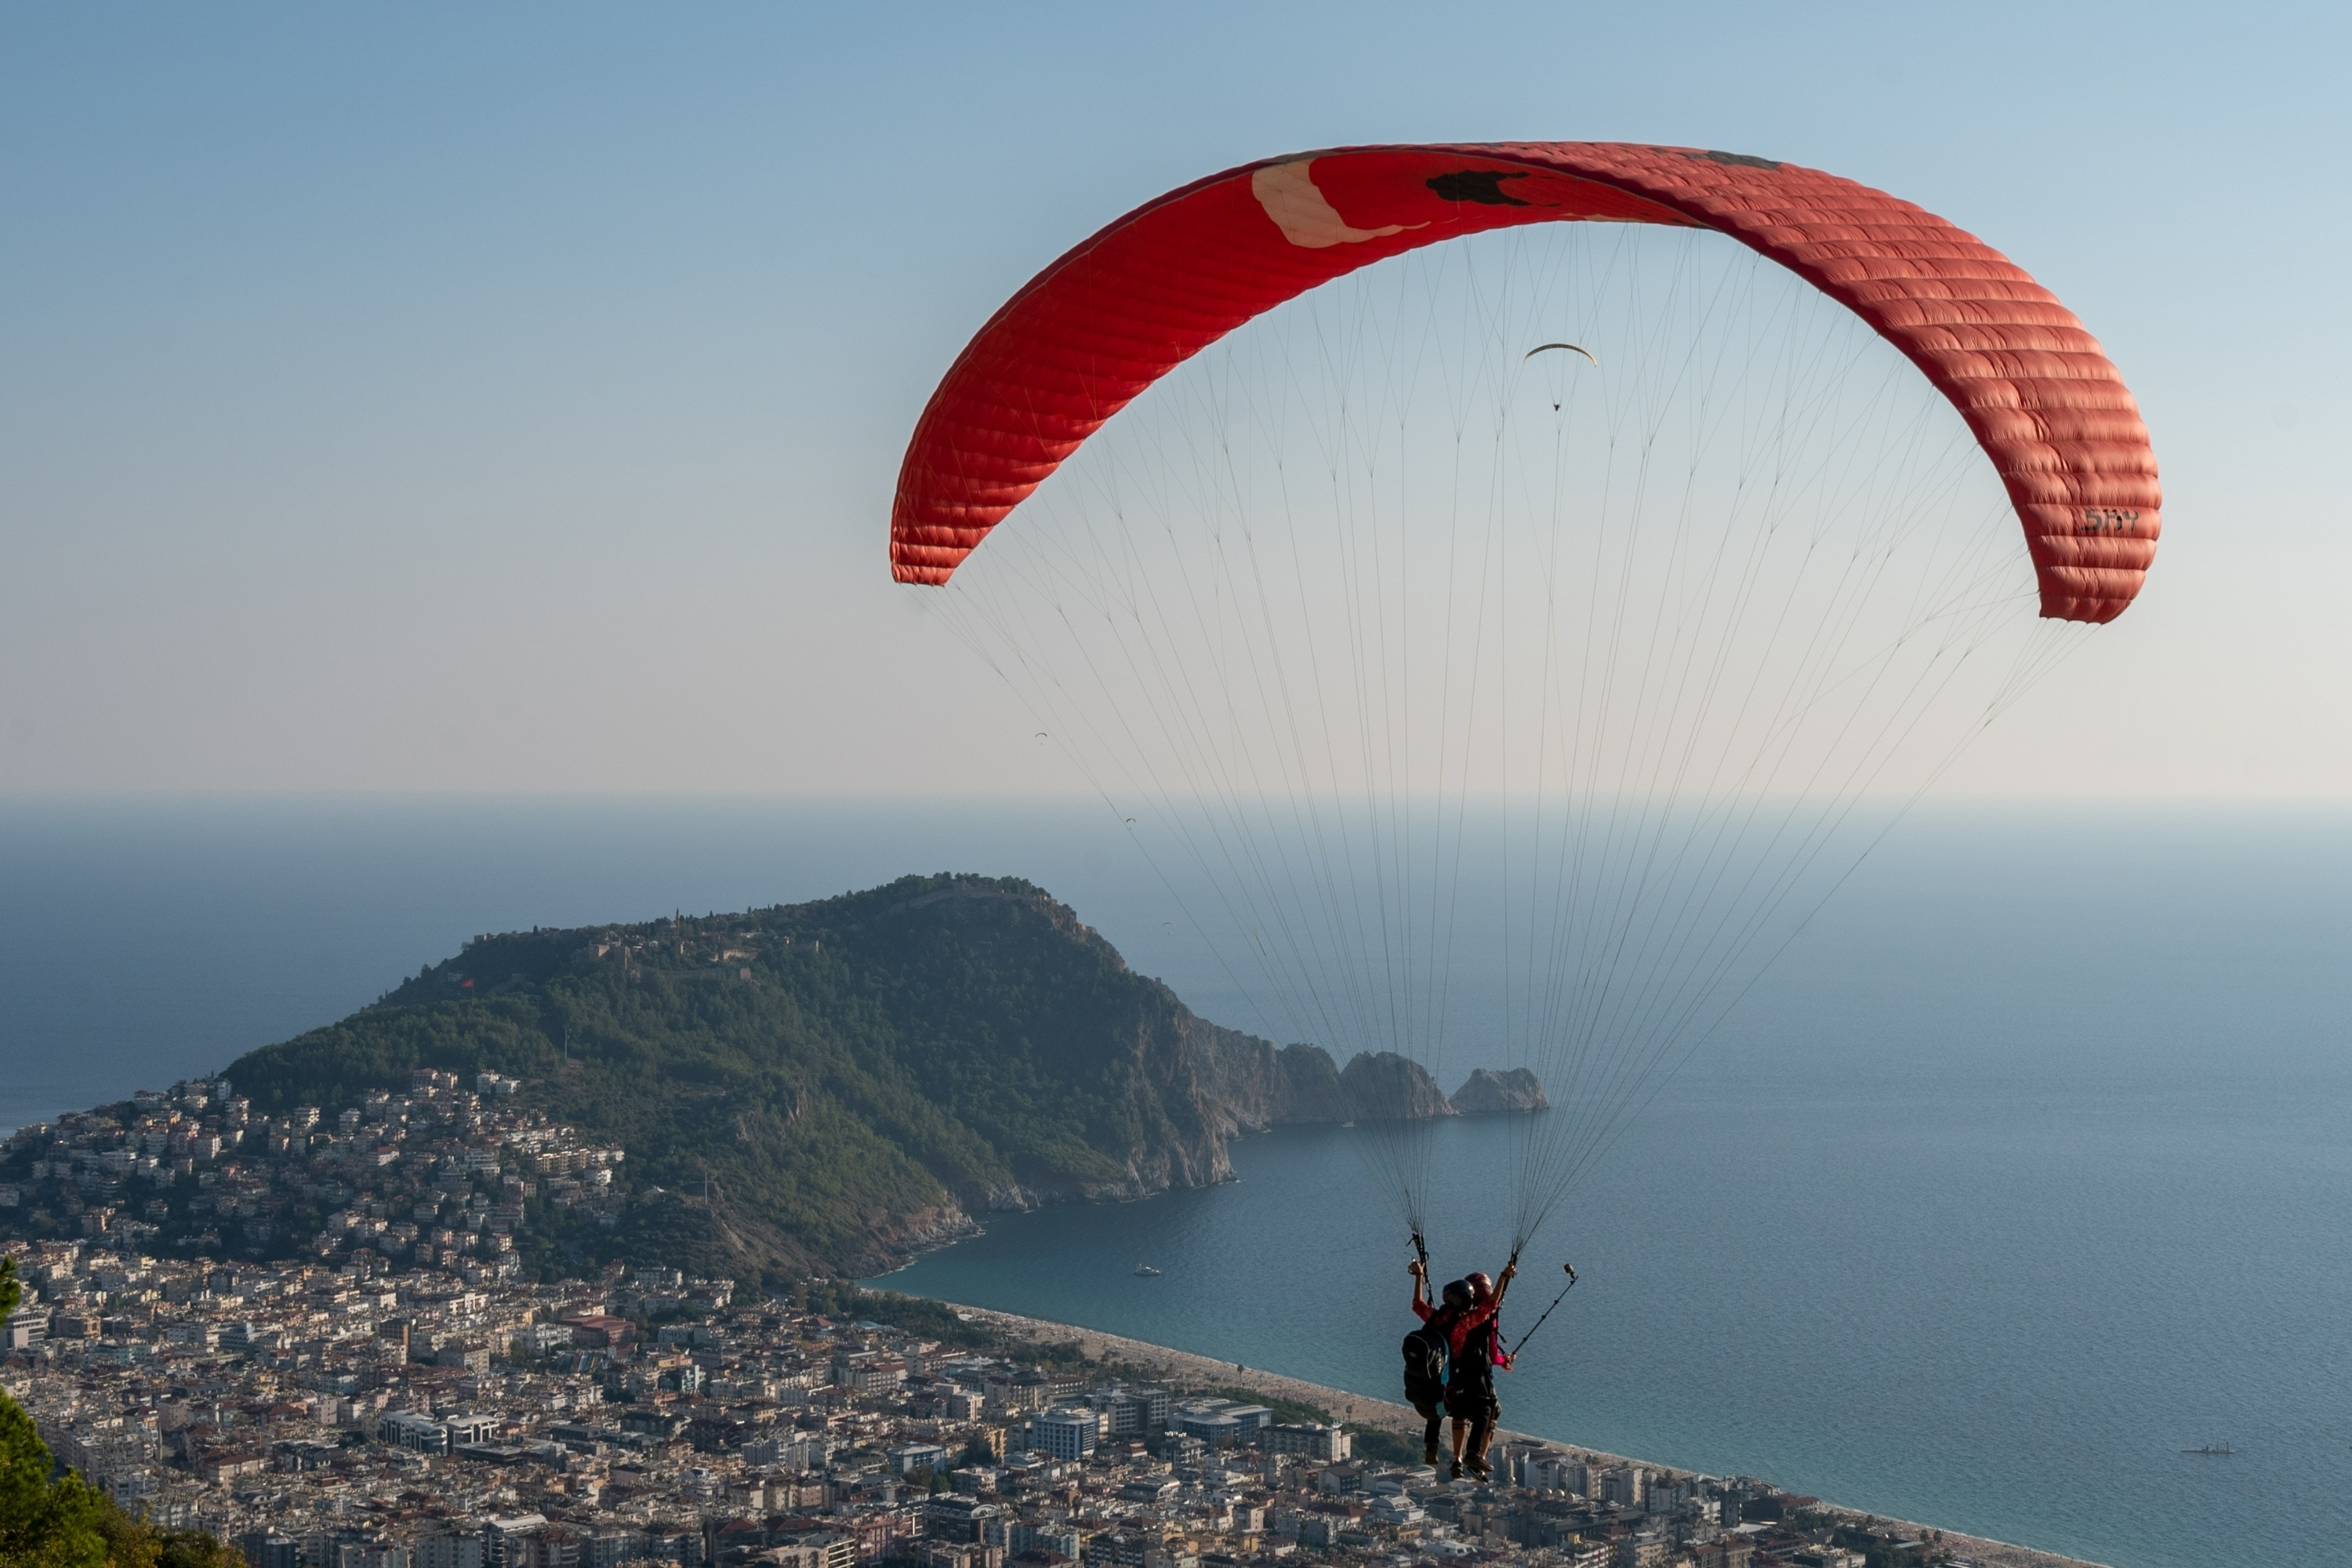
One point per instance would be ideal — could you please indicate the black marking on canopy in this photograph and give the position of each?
(1481, 185)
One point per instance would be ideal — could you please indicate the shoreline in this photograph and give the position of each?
(1363, 1410)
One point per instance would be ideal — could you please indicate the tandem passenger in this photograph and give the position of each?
(1427, 1350)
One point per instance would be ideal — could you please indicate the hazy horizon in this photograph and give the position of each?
(137, 936)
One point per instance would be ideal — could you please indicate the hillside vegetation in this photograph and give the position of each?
(844, 1080)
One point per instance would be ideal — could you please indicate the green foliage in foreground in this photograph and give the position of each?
(842, 1072)
(132, 1543)
(44, 1523)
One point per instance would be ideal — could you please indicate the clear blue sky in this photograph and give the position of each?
(461, 398)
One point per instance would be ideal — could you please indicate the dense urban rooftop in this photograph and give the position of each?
(405, 1393)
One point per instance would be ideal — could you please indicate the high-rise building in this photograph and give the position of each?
(1218, 1422)
(508, 1543)
(25, 1328)
(608, 1549)
(951, 1516)
(1066, 1433)
(1310, 1438)
(1131, 1412)
(908, 1458)
(1557, 1473)
(262, 1550)
(445, 1551)
(410, 1429)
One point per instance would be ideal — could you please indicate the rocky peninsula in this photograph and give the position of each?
(813, 1088)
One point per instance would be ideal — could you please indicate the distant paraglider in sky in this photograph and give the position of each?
(1491, 710)
(1568, 348)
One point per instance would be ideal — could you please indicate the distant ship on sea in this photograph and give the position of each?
(1145, 1272)
(2212, 1448)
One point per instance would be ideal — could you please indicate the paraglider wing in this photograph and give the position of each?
(1093, 330)
(1572, 348)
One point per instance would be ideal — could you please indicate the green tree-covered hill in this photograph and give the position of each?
(845, 1079)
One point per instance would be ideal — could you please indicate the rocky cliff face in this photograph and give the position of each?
(1194, 1086)
(1250, 1086)
(1487, 1093)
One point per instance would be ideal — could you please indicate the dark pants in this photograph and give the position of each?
(1471, 1400)
(1431, 1409)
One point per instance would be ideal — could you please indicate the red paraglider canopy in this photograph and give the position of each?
(1086, 335)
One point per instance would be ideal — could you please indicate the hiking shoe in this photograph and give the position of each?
(1457, 1471)
(1477, 1467)
(1429, 1456)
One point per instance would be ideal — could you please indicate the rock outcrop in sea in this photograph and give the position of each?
(1385, 1087)
(1489, 1093)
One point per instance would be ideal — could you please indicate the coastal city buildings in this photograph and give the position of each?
(402, 1394)
(446, 1176)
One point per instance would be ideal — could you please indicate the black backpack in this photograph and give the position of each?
(1424, 1365)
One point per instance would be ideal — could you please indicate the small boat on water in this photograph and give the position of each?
(1145, 1272)
(2212, 1448)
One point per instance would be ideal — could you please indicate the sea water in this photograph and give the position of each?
(2030, 1166)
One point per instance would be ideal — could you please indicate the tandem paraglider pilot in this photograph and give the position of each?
(1450, 1361)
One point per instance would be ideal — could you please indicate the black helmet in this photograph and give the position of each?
(1457, 1293)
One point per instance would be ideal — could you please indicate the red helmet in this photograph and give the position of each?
(1482, 1285)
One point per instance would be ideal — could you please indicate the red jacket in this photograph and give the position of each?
(1457, 1331)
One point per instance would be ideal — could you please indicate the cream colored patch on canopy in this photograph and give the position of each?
(1289, 193)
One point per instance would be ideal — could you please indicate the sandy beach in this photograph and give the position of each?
(1183, 1368)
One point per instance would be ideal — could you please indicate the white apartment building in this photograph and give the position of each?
(1066, 1433)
